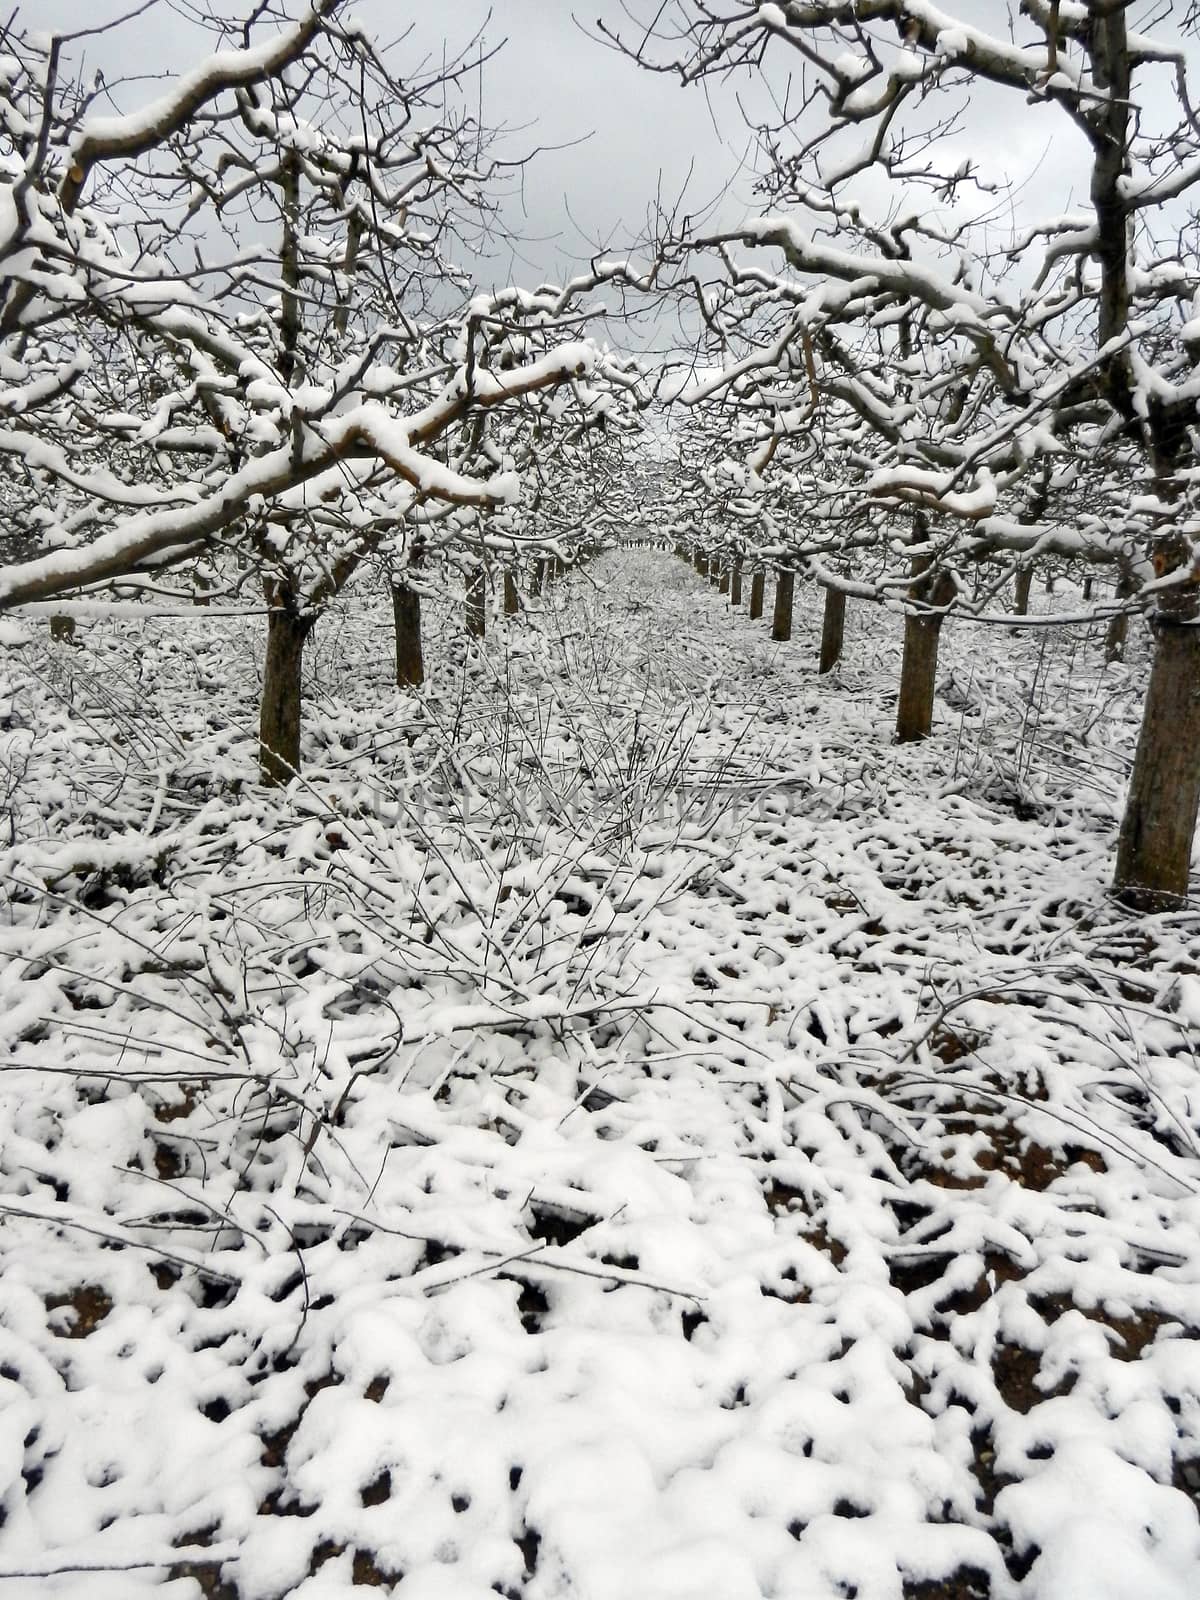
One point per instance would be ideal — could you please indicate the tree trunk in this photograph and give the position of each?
(1022, 587)
(781, 620)
(918, 675)
(758, 584)
(512, 600)
(1117, 634)
(723, 581)
(475, 603)
(410, 660)
(1087, 587)
(203, 583)
(1154, 851)
(279, 710)
(918, 670)
(833, 631)
(702, 565)
(735, 585)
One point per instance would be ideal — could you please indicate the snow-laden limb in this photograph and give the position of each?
(938, 491)
(40, 455)
(368, 431)
(968, 311)
(100, 139)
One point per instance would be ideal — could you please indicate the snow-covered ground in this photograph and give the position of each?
(619, 1129)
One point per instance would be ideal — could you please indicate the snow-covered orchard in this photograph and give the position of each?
(599, 922)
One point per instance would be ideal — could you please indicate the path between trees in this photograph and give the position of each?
(618, 1127)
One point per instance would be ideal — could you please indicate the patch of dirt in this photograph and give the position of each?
(207, 1574)
(366, 1573)
(1034, 1166)
(966, 1583)
(818, 1235)
(89, 1305)
(556, 1226)
(529, 1542)
(378, 1491)
(1015, 1370)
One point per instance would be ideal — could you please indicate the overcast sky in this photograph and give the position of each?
(625, 134)
(628, 130)
(621, 132)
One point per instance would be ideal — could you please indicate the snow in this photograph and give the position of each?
(809, 254)
(849, 65)
(952, 42)
(100, 137)
(365, 428)
(761, 1162)
(936, 489)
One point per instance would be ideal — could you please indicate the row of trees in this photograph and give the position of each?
(893, 392)
(238, 329)
(240, 342)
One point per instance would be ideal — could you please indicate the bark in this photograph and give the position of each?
(735, 584)
(702, 565)
(512, 600)
(289, 264)
(1022, 587)
(410, 660)
(918, 670)
(279, 711)
(203, 584)
(833, 631)
(758, 584)
(354, 232)
(724, 581)
(781, 620)
(475, 603)
(1116, 636)
(1154, 851)
(1087, 587)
